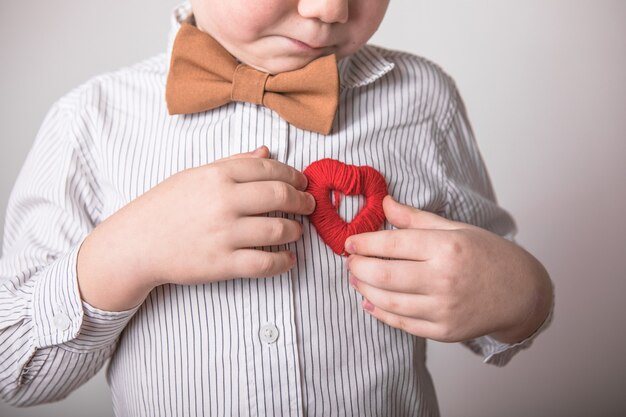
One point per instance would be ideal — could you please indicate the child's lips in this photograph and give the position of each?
(305, 46)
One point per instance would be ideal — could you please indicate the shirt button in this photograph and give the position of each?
(268, 333)
(61, 321)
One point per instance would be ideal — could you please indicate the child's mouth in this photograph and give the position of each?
(305, 46)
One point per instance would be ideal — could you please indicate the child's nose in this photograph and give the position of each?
(329, 11)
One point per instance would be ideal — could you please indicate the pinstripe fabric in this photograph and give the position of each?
(197, 350)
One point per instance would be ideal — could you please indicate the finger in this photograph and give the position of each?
(260, 152)
(252, 263)
(265, 196)
(410, 244)
(244, 170)
(392, 275)
(415, 306)
(407, 217)
(417, 327)
(249, 232)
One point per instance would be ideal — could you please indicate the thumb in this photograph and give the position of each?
(260, 152)
(408, 217)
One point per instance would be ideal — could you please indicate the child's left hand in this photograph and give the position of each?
(448, 281)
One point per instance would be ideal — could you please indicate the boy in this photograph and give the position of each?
(131, 228)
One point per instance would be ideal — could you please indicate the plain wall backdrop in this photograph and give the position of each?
(544, 82)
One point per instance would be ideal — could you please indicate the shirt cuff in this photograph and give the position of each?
(100, 328)
(499, 353)
(60, 316)
(56, 306)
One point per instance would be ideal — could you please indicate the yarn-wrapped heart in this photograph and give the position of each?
(329, 175)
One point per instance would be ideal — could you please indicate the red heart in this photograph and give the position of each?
(328, 175)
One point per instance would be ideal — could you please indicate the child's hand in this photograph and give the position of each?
(194, 228)
(449, 281)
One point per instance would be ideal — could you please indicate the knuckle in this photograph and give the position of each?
(406, 325)
(401, 323)
(265, 265)
(383, 277)
(305, 203)
(444, 333)
(296, 177)
(448, 282)
(281, 193)
(413, 329)
(390, 304)
(209, 171)
(454, 247)
(297, 229)
(391, 243)
(215, 175)
(269, 167)
(278, 231)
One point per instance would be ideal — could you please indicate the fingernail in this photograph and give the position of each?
(350, 246)
(292, 256)
(311, 203)
(367, 305)
(353, 281)
(347, 263)
(258, 150)
(305, 183)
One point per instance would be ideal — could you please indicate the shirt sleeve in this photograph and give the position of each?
(470, 199)
(51, 341)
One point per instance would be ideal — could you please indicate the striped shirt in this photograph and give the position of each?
(296, 344)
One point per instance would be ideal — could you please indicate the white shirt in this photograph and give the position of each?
(297, 344)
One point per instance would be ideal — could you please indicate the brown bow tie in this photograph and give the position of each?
(203, 76)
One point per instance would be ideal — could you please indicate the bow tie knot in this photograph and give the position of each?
(248, 84)
(204, 76)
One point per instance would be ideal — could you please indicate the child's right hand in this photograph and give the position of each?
(195, 227)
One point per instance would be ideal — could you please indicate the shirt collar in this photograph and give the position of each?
(357, 70)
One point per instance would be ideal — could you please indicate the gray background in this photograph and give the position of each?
(545, 86)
